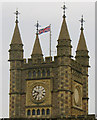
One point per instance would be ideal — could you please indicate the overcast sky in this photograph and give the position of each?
(47, 13)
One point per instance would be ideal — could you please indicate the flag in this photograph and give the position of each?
(44, 30)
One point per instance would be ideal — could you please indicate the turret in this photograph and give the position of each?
(82, 52)
(15, 59)
(64, 71)
(16, 46)
(37, 55)
(83, 58)
(64, 42)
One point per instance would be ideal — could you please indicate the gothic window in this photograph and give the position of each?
(34, 74)
(33, 112)
(39, 73)
(29, 74)
(43, 73)
(47, 111)
(38, 112)
(48, 73)
(28, 112)
(43, 112)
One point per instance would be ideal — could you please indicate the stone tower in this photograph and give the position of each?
(83, 58)
(46, 88)
(64, 70)
(16, 59)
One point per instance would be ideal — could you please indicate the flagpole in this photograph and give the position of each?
(50, 41)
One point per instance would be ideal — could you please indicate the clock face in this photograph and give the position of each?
(38, 92)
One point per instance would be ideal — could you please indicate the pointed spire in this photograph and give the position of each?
(16, 39)
(37, 48)
(82, 42)
(64, 34)
(64, 42)
(16, 46)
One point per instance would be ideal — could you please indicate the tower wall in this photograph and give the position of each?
(16, 60)
(48, 89)
(15, 88)
(64, 71)
(83, 58)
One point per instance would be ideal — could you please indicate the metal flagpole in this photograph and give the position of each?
(50, 40)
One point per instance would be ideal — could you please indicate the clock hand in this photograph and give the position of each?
(36, 92)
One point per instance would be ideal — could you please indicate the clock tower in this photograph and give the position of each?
(46, 88)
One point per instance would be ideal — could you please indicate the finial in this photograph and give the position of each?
(37, 25)
(64, 8)
(82, 21)
(17, 13)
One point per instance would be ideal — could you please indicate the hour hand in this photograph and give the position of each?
(36, 92)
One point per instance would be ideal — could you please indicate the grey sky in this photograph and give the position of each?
(47, 13)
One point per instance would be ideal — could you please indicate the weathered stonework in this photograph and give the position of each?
(64, 80)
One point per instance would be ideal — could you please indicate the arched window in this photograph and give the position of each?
(47, 111)
(34, 74)
(38, 112)
(33, 112)
(43, 112)
(29, 74)
(28, 112)
(43, 73)
(39, 73)
(48, 73)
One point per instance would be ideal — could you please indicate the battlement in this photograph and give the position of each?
(25, 61)
(49, 88)
(46, 60)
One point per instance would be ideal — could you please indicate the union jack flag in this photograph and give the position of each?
(44, 30)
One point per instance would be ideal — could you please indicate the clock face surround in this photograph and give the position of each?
(77, 96)
(38, 92)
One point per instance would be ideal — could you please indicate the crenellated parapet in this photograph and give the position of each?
(46, 87)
